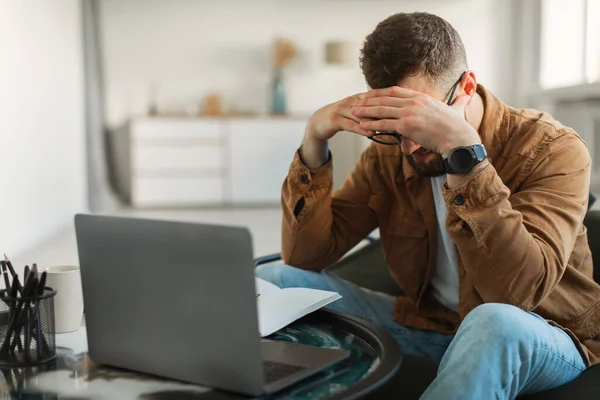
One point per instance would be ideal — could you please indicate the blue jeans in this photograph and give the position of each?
(498, 352)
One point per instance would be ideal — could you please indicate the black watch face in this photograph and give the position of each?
(461, 161)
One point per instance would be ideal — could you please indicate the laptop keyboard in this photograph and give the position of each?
(275, 371)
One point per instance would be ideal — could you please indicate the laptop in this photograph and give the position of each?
(178, 300)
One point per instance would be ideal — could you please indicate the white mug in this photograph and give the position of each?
(68, 302)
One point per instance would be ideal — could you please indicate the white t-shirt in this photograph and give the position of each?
(445, 275)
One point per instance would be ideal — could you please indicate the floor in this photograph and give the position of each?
(264, 224)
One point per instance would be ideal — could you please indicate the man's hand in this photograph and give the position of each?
(336, 117)
(424, 120)
(324, 124)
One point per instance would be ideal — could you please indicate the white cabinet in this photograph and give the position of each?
(177, 162)
(177, 191)
(167, 162)
(173, 130)
(261, 153)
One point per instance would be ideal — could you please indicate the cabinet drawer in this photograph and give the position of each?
(177, 191)
(257, 176)
(179, 158)
(174, 130)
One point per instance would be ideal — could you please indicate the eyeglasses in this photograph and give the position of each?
(393, 138)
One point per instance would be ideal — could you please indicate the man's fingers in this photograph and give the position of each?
(354, 98)
(390, 101)
(377, 112)
(393, 91)
(461, 103)
(353, 126)
(382, 125)
(345, 111)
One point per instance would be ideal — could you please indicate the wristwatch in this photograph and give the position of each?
(463, 159)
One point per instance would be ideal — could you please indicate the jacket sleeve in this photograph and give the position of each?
(515, 247)
(318, 227)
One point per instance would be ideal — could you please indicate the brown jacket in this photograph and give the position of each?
(519, 234)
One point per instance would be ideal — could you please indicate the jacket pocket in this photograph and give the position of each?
(396, 219)
(406, 244)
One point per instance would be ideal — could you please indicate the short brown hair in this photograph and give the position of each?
(410, 44)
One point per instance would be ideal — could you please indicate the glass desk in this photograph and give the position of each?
(375, 357)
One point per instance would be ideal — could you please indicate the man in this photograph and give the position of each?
(489, 250)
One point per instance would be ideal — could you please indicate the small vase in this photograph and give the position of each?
(278, 106)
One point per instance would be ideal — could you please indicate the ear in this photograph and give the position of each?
(468, 83)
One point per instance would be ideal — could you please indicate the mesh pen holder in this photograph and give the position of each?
(27, 335)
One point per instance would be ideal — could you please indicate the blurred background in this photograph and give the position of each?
(193, 109)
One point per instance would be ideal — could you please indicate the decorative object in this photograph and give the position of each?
(340, 53)
(212, 105)
(284, 52)
(278, 101)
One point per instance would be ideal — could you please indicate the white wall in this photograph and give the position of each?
(188, 48)
(41, 121)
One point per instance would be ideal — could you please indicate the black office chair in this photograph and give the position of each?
(416, 373)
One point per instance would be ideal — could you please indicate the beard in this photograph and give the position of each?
(429, 168)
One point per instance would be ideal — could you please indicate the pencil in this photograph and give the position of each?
(12, 320)
(19, 287)
(27, 292)
(10, 267)
(6, 297)
(42, 285)
(28, 316)
(6, 282)
(39, 338)
(18, 308)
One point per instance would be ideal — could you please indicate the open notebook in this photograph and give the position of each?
(278, 307)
